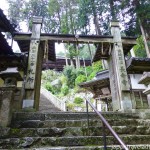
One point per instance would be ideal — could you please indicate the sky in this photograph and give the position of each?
(4, 7)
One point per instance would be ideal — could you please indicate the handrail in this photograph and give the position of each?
(108, 126)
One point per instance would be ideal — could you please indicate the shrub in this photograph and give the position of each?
(70, 107)
(80, 79)
(89, 70)
(65, 90)
(78, 100)
(92, 75)
(63, 79)
(49, 87)
(81, 71)
(97, 66)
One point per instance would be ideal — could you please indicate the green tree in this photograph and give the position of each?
(70, 73)
(14, 12)
(139, 48)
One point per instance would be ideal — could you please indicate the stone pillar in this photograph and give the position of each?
(120, 88)
(33, 80)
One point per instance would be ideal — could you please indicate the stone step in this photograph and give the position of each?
(109, 147)
(71, 116)
(71, 131)
(78, 123)
(32, 142)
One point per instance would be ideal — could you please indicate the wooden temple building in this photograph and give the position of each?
(100, 85)
(60, 62)
(21, 73)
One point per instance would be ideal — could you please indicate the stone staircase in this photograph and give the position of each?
(69, 131)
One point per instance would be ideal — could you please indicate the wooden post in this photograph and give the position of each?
(33, 80)
(120, 87)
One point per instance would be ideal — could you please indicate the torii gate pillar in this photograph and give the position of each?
(120, 88)
(33, 79)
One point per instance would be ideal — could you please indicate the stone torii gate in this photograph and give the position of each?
(111, 48)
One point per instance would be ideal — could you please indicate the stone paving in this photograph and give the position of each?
(46, 105)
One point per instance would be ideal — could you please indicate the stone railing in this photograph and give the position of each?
(60, 104)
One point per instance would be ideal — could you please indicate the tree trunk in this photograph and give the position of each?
(77, 58)
(98, 31)
(71, 62)
(144, 39)
(112, 10)
(66, 57)
(89, 48)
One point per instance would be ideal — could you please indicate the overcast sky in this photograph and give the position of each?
(4, 6)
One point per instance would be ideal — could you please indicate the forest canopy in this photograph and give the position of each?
(85, 17)
(82, 16)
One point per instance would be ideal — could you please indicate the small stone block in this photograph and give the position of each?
(37, 20)
(28, 103)
(114, 24)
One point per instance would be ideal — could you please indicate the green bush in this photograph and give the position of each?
(70, 106)
(97, 66)
(63, 79)
(92, 75)
(81, 71)
(49, 87)
(89, 70)
(139, 48)
(78, 100)
(65, 90)
(80, 79)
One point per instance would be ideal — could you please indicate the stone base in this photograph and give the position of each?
(28, 103)
(126, 106)
(6, 108)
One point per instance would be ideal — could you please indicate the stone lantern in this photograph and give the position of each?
(145, 79)
(10, 77)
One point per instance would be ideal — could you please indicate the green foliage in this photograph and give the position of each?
(75, 16)
(87, 51)
(139, 48)
(65, 90)
(70, 106)
(80, 71)
(48, 86)
(70, 73)
(92, 75)
(50, 75)
(80, 79)
(63, 79)
(78, 100)
(97, 66)
(89, 70)
(56, 86)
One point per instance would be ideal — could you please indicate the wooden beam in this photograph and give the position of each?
(67, 38)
